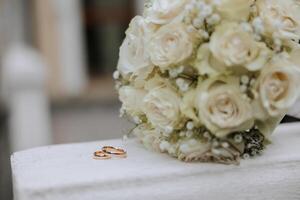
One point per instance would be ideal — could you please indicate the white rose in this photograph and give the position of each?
(164, 11)
(295, 58)
(162, 107)
(131, 99)
(233, 46)
(171, 44)
(234, 9)
(278, 85)
(280, 17)
(205, 62)
(222, 109)
(140, 77)
(133, 54)
(149, 136)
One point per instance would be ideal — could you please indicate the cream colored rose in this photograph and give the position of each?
(149, 136)
(133, 54)
(279, 86)
(162, 107)
(164, 11)
(131, 99)
(233, 46)
(280, 17)
(237, 10)
(205, 62)
(171, 44)
(295, 57)
(222, 109)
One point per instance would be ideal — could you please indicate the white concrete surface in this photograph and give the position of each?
(68, 172)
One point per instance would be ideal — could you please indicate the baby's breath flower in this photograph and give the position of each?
(116, 75)
(190, 125)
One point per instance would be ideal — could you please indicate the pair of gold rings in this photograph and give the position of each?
(108, 152)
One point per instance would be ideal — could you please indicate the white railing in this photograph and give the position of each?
(68, 172)
(24, 86)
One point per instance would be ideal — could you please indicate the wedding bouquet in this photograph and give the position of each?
(209, 80)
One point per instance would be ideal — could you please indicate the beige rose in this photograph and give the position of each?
(233, 46)
(164, 11)
(205, 62)
(149, 136)
(131, 99)
(171, 44)
(278, 85)
(295, 57)
(221, 107)
(133, 54)
(162, 107)
(237, 10)
(280, 17)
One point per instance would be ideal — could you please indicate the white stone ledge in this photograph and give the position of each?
(67, 172)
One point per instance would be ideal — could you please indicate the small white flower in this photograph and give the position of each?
(179, 82)
(116, 75)
(182, 134)
(217, 152)
(172, 150)
(238, 138)
(189, 134)
(197, 23)
(214, 19)
(185, 87)
(169, 129)
(164, 146)
(190, 125)
(184, 148)
(190, 29)
(137, 120)
(207, 135)
(258, 25)
(204, 34)
(125, 137)
(215, 143)
(246, 156)
(189, 7)
(245, 79)
(173, 73)
(247, 27)
(243, 88)
(252, 82)
(225, 145)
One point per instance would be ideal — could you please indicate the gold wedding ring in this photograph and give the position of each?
(100, 155)
(117, 152)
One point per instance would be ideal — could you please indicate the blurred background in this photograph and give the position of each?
(56, 63)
